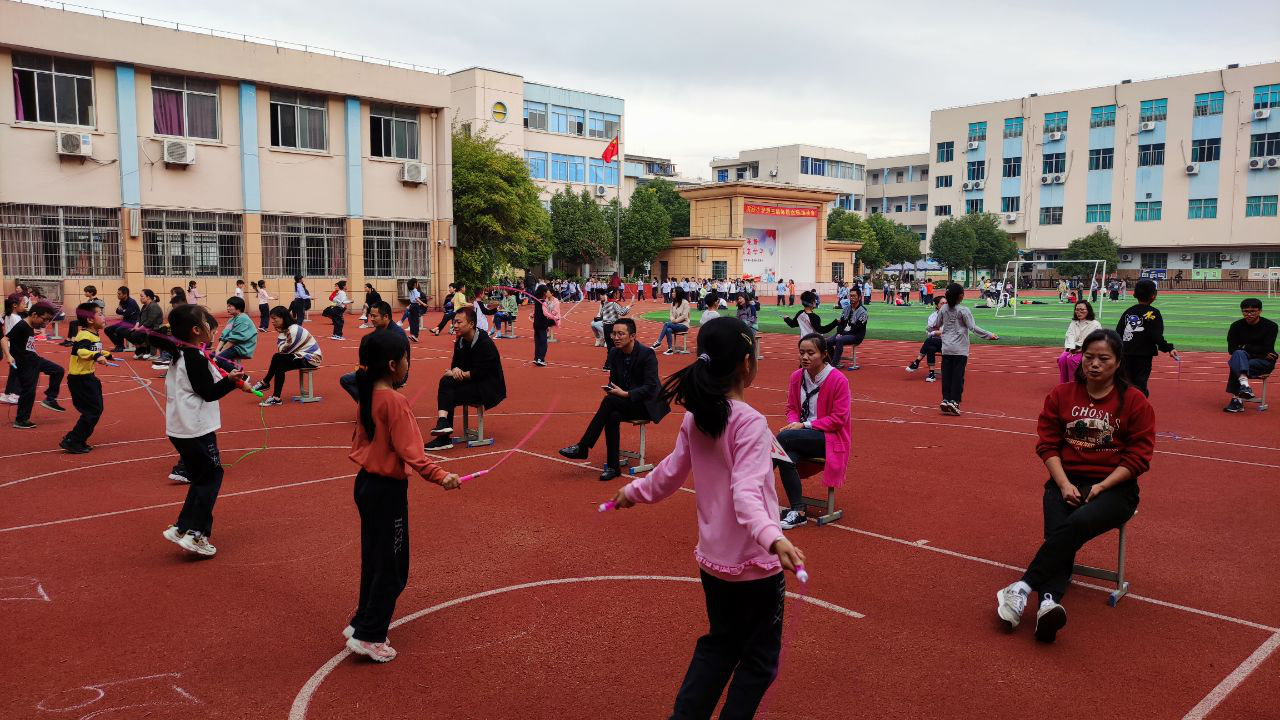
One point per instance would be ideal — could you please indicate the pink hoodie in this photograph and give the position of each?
(833, 419)
(737, 502)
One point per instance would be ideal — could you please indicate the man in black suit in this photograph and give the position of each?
(633, 393)
(474, 377)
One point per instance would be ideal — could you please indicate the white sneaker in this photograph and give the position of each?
(8, 399)
(364, 326)
(1050, 618)
(172, 535)
(1010, 604)
(179, 478)
(349, 632)
(377, 652)
(197, 543)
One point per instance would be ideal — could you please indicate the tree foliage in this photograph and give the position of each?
(845, 226)
(1097, 245)
(994, 246)
(895, 242)
(646, 228)
(578, 228)
(674, 203)
(953, 245)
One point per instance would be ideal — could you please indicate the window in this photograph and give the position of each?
(1264, 144)
(1152, 154)
(946, 151)
(740, 173)
(1013, 127)
(722, 175)
(577, 169)
(845, 202)
(52, 90)
(568, 121)
(1051, 215)
(304, 245)
(817, 166)
(941, 210)
(1102, 158)
(1261, 260)
(559, 168)
(719, 269)
(1054, 163)
(804, 165)
(393, 132)
(976, 170)
(875, 178)
(602, 125)
(537, 164)
(1202, 209)
(1012, 167)
(857, 202)
(394, 249)
(1209, 103)
(1100, 213)
(535, 115)
(1153, 110)
(977, 131)
(601, 174)
(1154, 260)
(1102, 116)
(942, 181)
(298, 121)
(183, 244)
(1207, 150)
(1260, 206)
(58, 242)
(1055, 122)
(1205, 261)
(184, 107)
(1264, 96)
(837, 272)
(1147, 211)
(899, 177)
(1011, 203)
(897, 208)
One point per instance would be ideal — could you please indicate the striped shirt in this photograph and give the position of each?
(296, 341)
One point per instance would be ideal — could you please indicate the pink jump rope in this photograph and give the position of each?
(536, 426)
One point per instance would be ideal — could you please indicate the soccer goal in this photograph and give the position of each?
(1273, 281)
(1013, 277)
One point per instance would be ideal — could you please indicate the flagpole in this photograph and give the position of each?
(617, 216)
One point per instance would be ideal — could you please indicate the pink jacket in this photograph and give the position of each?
(833, 419)
(737, 502)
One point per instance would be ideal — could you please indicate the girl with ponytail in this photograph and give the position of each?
(741, 551)
(385, 444)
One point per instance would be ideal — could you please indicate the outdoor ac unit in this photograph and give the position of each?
(1011, 217)
(1055, 136)
(1193, 168)
(601, 191)
(78, 144)
(1273, 163)
(179, 152)
(1146, 127)
(1046, 179)
(1186, 256)
(1262, 113)
(973, 145)
(966, 185)
(1257, 163)
(773, 172)
(1059, 178)
(1126, 257)
(413, 172)
(979, 184)
(1223, 257)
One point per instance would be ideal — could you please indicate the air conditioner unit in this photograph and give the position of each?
(979, 184)
(415, 172)
(1011, 217)
(179, 152)
(1262, 113)
(1273, 162)
(1254, 163)
(1146, 127)
(1059, 178)
(966, 185)
(1193, 168)
(973, 145)
(1055, 136)
(71, 143)
(773, 172)
(1186, 256)
(1046, 179)
(601, 191)
(1223, 257)
(1126, 257)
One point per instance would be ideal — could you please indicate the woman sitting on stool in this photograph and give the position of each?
(677, 322)
(295, 350)
(1082, 323)
(1096, 437)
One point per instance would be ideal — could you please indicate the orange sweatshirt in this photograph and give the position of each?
(396, 447)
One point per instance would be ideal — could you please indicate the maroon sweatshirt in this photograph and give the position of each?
(1093, 437)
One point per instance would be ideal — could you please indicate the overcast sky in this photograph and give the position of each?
(703, 78)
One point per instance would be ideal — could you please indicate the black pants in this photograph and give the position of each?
(13, 384)
(953, 377)
(930, 348)
(445, 320)
(203, 465)
(799, 444)
(780, 300)
(339, 317)
(264, 315)
(86, 396)
(453, 393)
(607, 330)
(612, 412)
(415, 320)
(1138, 369)
(744, 643)
(298, 309)
(281, 364)
(383, 504)
(1067, 529)
(28, 377)
(116, 333)
(540, 343)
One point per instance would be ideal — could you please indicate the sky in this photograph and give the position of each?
(704, 78)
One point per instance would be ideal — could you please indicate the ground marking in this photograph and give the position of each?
(98, 692)
(29, 585)
(1234, 680)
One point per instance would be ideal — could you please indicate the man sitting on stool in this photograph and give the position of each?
(474, 376)
(379, 318)
(1251, 340)
(632, 394)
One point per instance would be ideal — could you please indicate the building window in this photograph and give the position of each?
(972, 206)
(941, 210)
(393, 132)
(897, 208)
(1264, 144)
(602, 125)
(1209, 103)
(394, 249)
(1055, 122)
(804, 165)
(719, 269)
(1102, 116)
(559, 168)
(56, 242)
(977, 131)
(898, 177)
(946, 151)
(1207, 150)
(976, 170)
(568, 121)
(1153, 110)
(1010, 203)
(1102, 158)
(875, 178)
(299, 121)
(537, 164)
(942, 181)
(857, 202)
(1152, 154)
(577, 169)
(1100, 213)
(1264, 96)
(178, 243)
(535, 115)
(184, 107)
(1154, 261)
(1261, 260)
(1202, 208)
(1013, 127)
(1051, 215)
(1054, 163)
(817, 166)
(1260, 206)
(837, 272)
(1205, 261)
(52, 90)
(1147, 211)
(1012, 167)
(304, 245)
(722, 175)
(601, 174)
(845, 202)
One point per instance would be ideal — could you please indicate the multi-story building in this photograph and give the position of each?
(841, 171)
(1184, 171)
(640, 170)
(147, 156)
(898, 187)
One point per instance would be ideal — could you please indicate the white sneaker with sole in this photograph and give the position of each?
(172, 534)
(1010, 604)
(197, 543)
(349, 632)
(793, 519)
(377, 652)
(1050, 618)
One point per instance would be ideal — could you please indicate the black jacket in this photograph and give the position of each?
(641, 379)
(540, 319)
(1259, 340)
(1141, 328)
(481, 359)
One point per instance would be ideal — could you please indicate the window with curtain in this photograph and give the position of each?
(1202, 208)
(299, 120)
(1102, 116)
(52, 90)
(304, 245)
(58, 241)
(602, 125)
(185, 106)
(396, 249)
(393, 132)
(535, 115)
(179, 243)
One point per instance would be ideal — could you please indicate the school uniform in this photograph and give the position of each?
(1141, 328)
(84, 385)
(192, 419)
(22, 347)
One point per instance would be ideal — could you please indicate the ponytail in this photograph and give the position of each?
(378, 350)
(364, 397)
(703, 386)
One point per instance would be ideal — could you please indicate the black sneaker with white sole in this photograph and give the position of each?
(438, 443)
(23, 425)
(794, 519)
(53, 405)
(1245, 392)
(443, 427)
(1236, 405)
(931, 377)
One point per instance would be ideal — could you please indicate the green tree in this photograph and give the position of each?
(903, 246)
(674, 203)
(995, 247)
(578, 227)
(646, 228)
(953, 245)
(500, 221)
(1097, 245)
(845, 226)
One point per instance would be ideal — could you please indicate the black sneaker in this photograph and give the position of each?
(52, 405)
(610, 473)
(1236, 405)
(794, 519)
(443, 427)
(442, 442)
(931, 377)
(1245, 392)
(23, 424)
(575, 452)
(913, 367)
(72, 447)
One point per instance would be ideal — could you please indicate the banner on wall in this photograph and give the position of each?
(780, 211)
(759, 246)
(1154, 273)
(1206, 274)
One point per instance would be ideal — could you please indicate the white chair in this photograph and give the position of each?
(1116, 576)
(307, 386)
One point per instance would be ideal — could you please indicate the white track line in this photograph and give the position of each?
(1234, 680)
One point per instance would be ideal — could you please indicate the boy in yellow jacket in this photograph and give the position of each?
(86, 389)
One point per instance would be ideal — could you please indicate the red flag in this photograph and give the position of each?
(611, 152)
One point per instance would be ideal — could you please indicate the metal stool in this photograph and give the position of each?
(1116, 576)
(307, 386)
(638, 455)
(684, 343)
(473, 438)
(807, 468)
(1261, 400)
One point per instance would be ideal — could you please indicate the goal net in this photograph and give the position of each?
(1015, 284)
(1273, 281)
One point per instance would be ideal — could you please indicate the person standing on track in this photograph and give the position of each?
(1097, 435)
(741, 552)
(264, 305)
(20, 347)
(542, 323)
(1142, 329)
(301, 300)
(82, 382)
(956, 322)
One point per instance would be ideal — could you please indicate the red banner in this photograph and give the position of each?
(779, 211)
(611, 152)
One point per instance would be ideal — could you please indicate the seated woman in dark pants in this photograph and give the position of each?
(295, 350)
(817, 424)
(1096, 437)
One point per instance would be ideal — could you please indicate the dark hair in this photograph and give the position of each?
(262, 283)
(540, 291)
(1116, 345)
(1089, 315)
(809, 297)
(342, 284)
(184, 318)
(628, 323)
(383, 307)
(411, 283)
(44, 308)
(1144, 291)
(178, 296)
(149, 293)
(85, 312)
(91, 289)
(236, 302)
(297, 278)
(9, 306)
(712, 300)
(469, 312)
(282, 312)
(378, 350)
(369, 285)
(240, 281)
(819, 341)
(955, 291)
(1247, 303)
(677, 295)
(702, 387)
(191, 283)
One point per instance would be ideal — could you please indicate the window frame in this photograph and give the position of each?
(1102, 158)
(1102, 116)
(978, 131)
(1266, 96)
(1148, 210)
(164, 231)
(1011, 203)
(1055, 121)
(536, 159)
(942, 181)
(1050, 214)
(1096, 213)
(1263, 259)
(1155, 110)
(1153, 260)
(719, 269)
(1013, 127)
(30, 233)
(397, 249)
(1202, 208)
(948, 149)
(312, 236)
(1151, 155)
(1206, 150)
(186, 92)
(1053, 163)
(390, 117)
(1260, 206)
(1265, 144)
(942, 211)
(540, 110)
(1011, 167)
(980, 166)
(1208, 103)
(1206, 260)
(54, 73)
(276, 108)
(609, 125)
